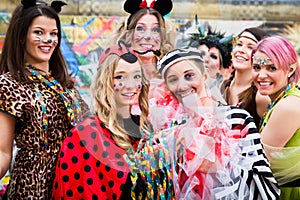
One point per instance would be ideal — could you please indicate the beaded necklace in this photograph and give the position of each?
(66, 95)
(271, 105)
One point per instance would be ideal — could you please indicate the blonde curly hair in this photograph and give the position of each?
(105, 105)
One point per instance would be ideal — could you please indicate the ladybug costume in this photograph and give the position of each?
(91, 165)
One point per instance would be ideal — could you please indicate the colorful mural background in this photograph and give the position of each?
(84, 38)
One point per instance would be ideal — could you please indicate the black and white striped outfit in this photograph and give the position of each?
(257, 175)
(246, 175)
(218, 154)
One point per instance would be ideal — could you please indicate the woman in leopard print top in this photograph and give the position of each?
(38, 101)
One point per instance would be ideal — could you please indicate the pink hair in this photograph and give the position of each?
(281, 52)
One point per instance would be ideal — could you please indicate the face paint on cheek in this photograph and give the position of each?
(139, 86)
(115, 88)
(38, 39)
(137, 36)
(118, 86)
(157, 39)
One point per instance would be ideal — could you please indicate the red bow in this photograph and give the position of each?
(144, 4)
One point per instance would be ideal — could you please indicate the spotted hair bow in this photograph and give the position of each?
(122, 50)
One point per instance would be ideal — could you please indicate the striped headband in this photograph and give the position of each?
(177, 55)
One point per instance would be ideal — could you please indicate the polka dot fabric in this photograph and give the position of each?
(90, 165)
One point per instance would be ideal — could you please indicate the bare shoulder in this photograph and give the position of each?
(288, 109)
(290, 103)
(283, 122)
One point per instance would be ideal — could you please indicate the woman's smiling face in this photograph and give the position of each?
(269, 79)
(127, 83)
(147, 35)
(241, 53)
(38, 49)
(184, 78)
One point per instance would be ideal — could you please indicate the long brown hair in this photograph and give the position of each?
(13, 52)
(247, 95)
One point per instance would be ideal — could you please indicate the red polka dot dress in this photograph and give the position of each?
(90, 165)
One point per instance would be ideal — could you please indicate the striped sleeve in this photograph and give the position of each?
(255, 165)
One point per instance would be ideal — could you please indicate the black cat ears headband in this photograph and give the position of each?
(56, 5)
(162, 6)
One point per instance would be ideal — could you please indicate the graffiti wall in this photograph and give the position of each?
(84, 38)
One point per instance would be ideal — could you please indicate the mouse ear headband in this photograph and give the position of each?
(56, 5)
(162, 6)
(123, 50)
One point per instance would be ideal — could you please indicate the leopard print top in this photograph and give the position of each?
(33, 170)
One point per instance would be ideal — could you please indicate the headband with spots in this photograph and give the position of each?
(122, 50)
